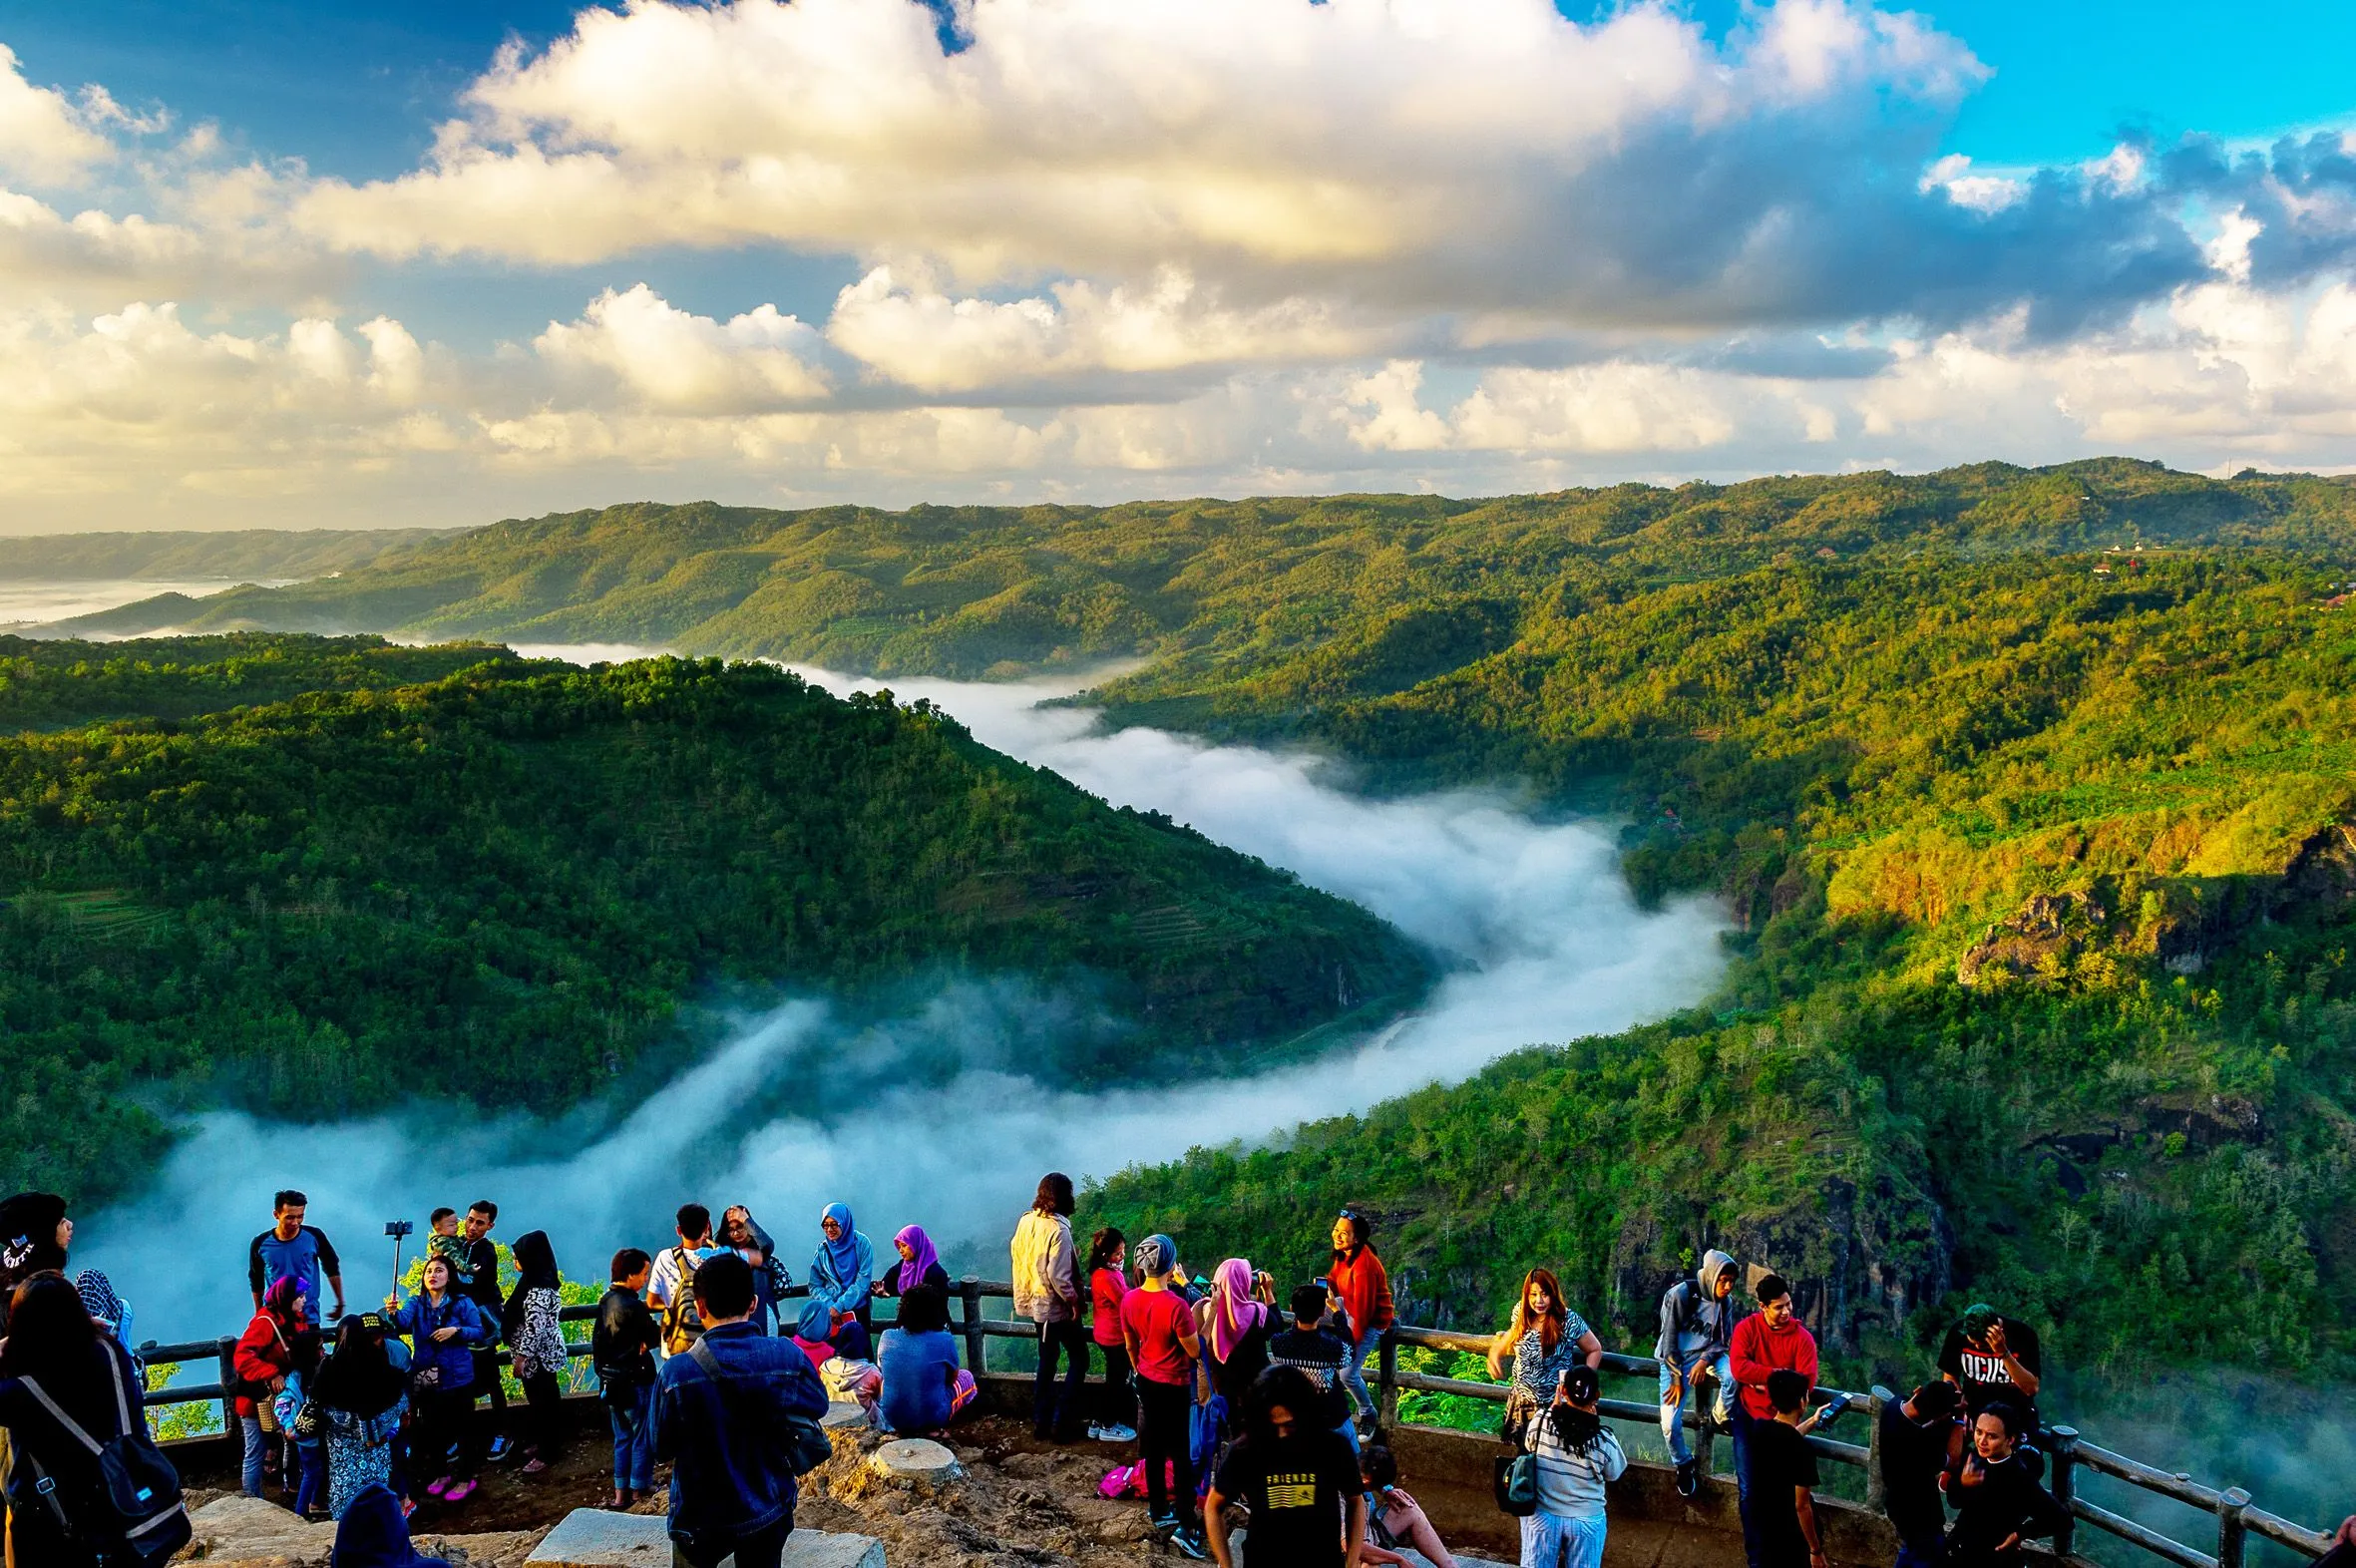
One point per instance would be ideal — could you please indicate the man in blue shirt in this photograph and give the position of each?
(720, 1418)
(291, 1247)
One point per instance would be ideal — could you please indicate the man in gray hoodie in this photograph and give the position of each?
(1697, 1330)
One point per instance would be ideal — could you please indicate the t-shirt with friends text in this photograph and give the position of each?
(1295, 1489)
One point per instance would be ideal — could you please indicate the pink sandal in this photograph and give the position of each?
(461, 1492)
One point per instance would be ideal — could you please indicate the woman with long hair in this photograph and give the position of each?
(1544, 1339)
(1360, 1282)
(362, 1401)
(53, 1343)
(1577, 1457)
(1108, 1251)
(443, 1329)
(1048, 1291)
(1293, 1474)
(528, 1322)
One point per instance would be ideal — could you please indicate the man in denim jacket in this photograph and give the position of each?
(728, 1440)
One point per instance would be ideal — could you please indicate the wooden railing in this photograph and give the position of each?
(2238, 1519)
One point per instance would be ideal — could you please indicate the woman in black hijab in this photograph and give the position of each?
(537, 1345)
(362, 1399)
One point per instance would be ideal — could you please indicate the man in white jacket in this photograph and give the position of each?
(1047, 1292)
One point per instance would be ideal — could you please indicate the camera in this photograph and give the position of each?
(400, 1228)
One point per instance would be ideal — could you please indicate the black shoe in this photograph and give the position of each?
(1689, 1477)
(1190, 1543)
(501, 1448)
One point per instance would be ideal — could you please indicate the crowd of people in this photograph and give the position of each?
(1239, 1411)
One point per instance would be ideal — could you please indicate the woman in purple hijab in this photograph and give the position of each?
(918, 1265)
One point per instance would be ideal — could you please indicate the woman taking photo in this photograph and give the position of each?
(362, 1401)
(1545, 1340)
(443, 1330)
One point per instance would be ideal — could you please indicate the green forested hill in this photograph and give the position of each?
(251, 555)
(503, 884)
(52, 684)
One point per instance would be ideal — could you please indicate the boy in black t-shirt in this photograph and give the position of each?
(1784, 1478)
(1296, 1478)
(1919, 1436)
(1993, 1357)
(1318, 1353)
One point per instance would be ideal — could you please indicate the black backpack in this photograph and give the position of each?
(807, 1446)
(137, 1515)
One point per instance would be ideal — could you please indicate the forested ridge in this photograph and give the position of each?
(503, 886)
(2029, 792)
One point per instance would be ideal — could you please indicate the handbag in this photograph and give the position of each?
(309, 1422)
(1516, 1484)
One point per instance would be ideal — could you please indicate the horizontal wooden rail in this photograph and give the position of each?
(2121, 1468)
(2297, 1537)
(2149, 1540)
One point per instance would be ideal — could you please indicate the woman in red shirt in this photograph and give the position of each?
(1108, 1250)
(1359, 1280)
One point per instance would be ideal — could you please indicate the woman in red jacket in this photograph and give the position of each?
(278, 1341)
(1358, 1278)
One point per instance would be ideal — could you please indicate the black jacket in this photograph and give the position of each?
(2010, 1500)
(621, 1346)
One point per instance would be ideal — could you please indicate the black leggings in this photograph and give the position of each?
(1167, 1446)
(1117, 1405)
(545, 1430)
(443, 1421)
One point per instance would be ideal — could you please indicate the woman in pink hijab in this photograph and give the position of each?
(1238, 1318)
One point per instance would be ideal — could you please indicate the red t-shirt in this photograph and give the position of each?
(1108, 1286)
(1155, 1318)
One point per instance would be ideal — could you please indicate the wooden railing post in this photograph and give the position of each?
(1877, 1490)
(2065, 1487)
(1386, 1406)
(228, 1381)
(2232, 1529)
(970, 1290)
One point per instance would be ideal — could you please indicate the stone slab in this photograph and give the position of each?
(844, 1415)
(241, 1529)
(595, 1538)
(915, 1459)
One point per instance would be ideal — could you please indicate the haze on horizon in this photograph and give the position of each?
(302, 266)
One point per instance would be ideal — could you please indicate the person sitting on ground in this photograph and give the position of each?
(279, 1343)
(1394, 1519)
(1544, 1338)
(1318, 1353)
(52, 1346)
(1116, 1414)
(1577, 1457)
(724, 1416)
(1159, 1328)
(668, 1291)
(1917, 1441)
(1237, 1324)
(1048, 1292)
(374, 1533)
(743, 1235)
(923, 1386)
(918, 1265)
(1991, 1356)
(1997, 1494)
(621, 1349)
(1770, 1340)
(528, 1322)
(1697, 1333)
(362, 1401)
(1295, 1477)
(444, 1329)
(836, 1347)
(1363, 1288)
(843, 1270)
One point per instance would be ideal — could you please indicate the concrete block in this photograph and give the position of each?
(908, 1460)
(844, 1415)
(247, 1529)
(595, 1538)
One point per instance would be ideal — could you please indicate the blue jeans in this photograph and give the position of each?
(1931, 1553)
(257, 1441)
(1743, 1425)
(310, 1460)
(1679, 1384)
(1553, 1540)
(1353, 1371)
(633, 1440)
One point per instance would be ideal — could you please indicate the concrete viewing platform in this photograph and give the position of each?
(595, 1538)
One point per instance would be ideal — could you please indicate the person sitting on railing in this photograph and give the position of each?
(1295, 1477)
(1769, 1341)
(1697, 1332)
(1919, 1436)
(1995, 1489)
(923, 1388)
(843, 1270)
(444, 1328)
(1362, 1286)
(1544, 1338)
(1394, 1518)
(1578, 1455)
(1991, 1356)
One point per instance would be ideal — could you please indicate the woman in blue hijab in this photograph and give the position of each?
(373, 1534)
(842, 1275)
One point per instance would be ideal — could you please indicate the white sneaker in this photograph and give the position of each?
(1102, 1433)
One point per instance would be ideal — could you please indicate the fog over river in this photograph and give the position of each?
(1548, 941)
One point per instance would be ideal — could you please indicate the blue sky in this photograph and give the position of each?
(323, 261)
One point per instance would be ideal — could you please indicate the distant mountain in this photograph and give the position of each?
(252, 555)
(507, 884)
